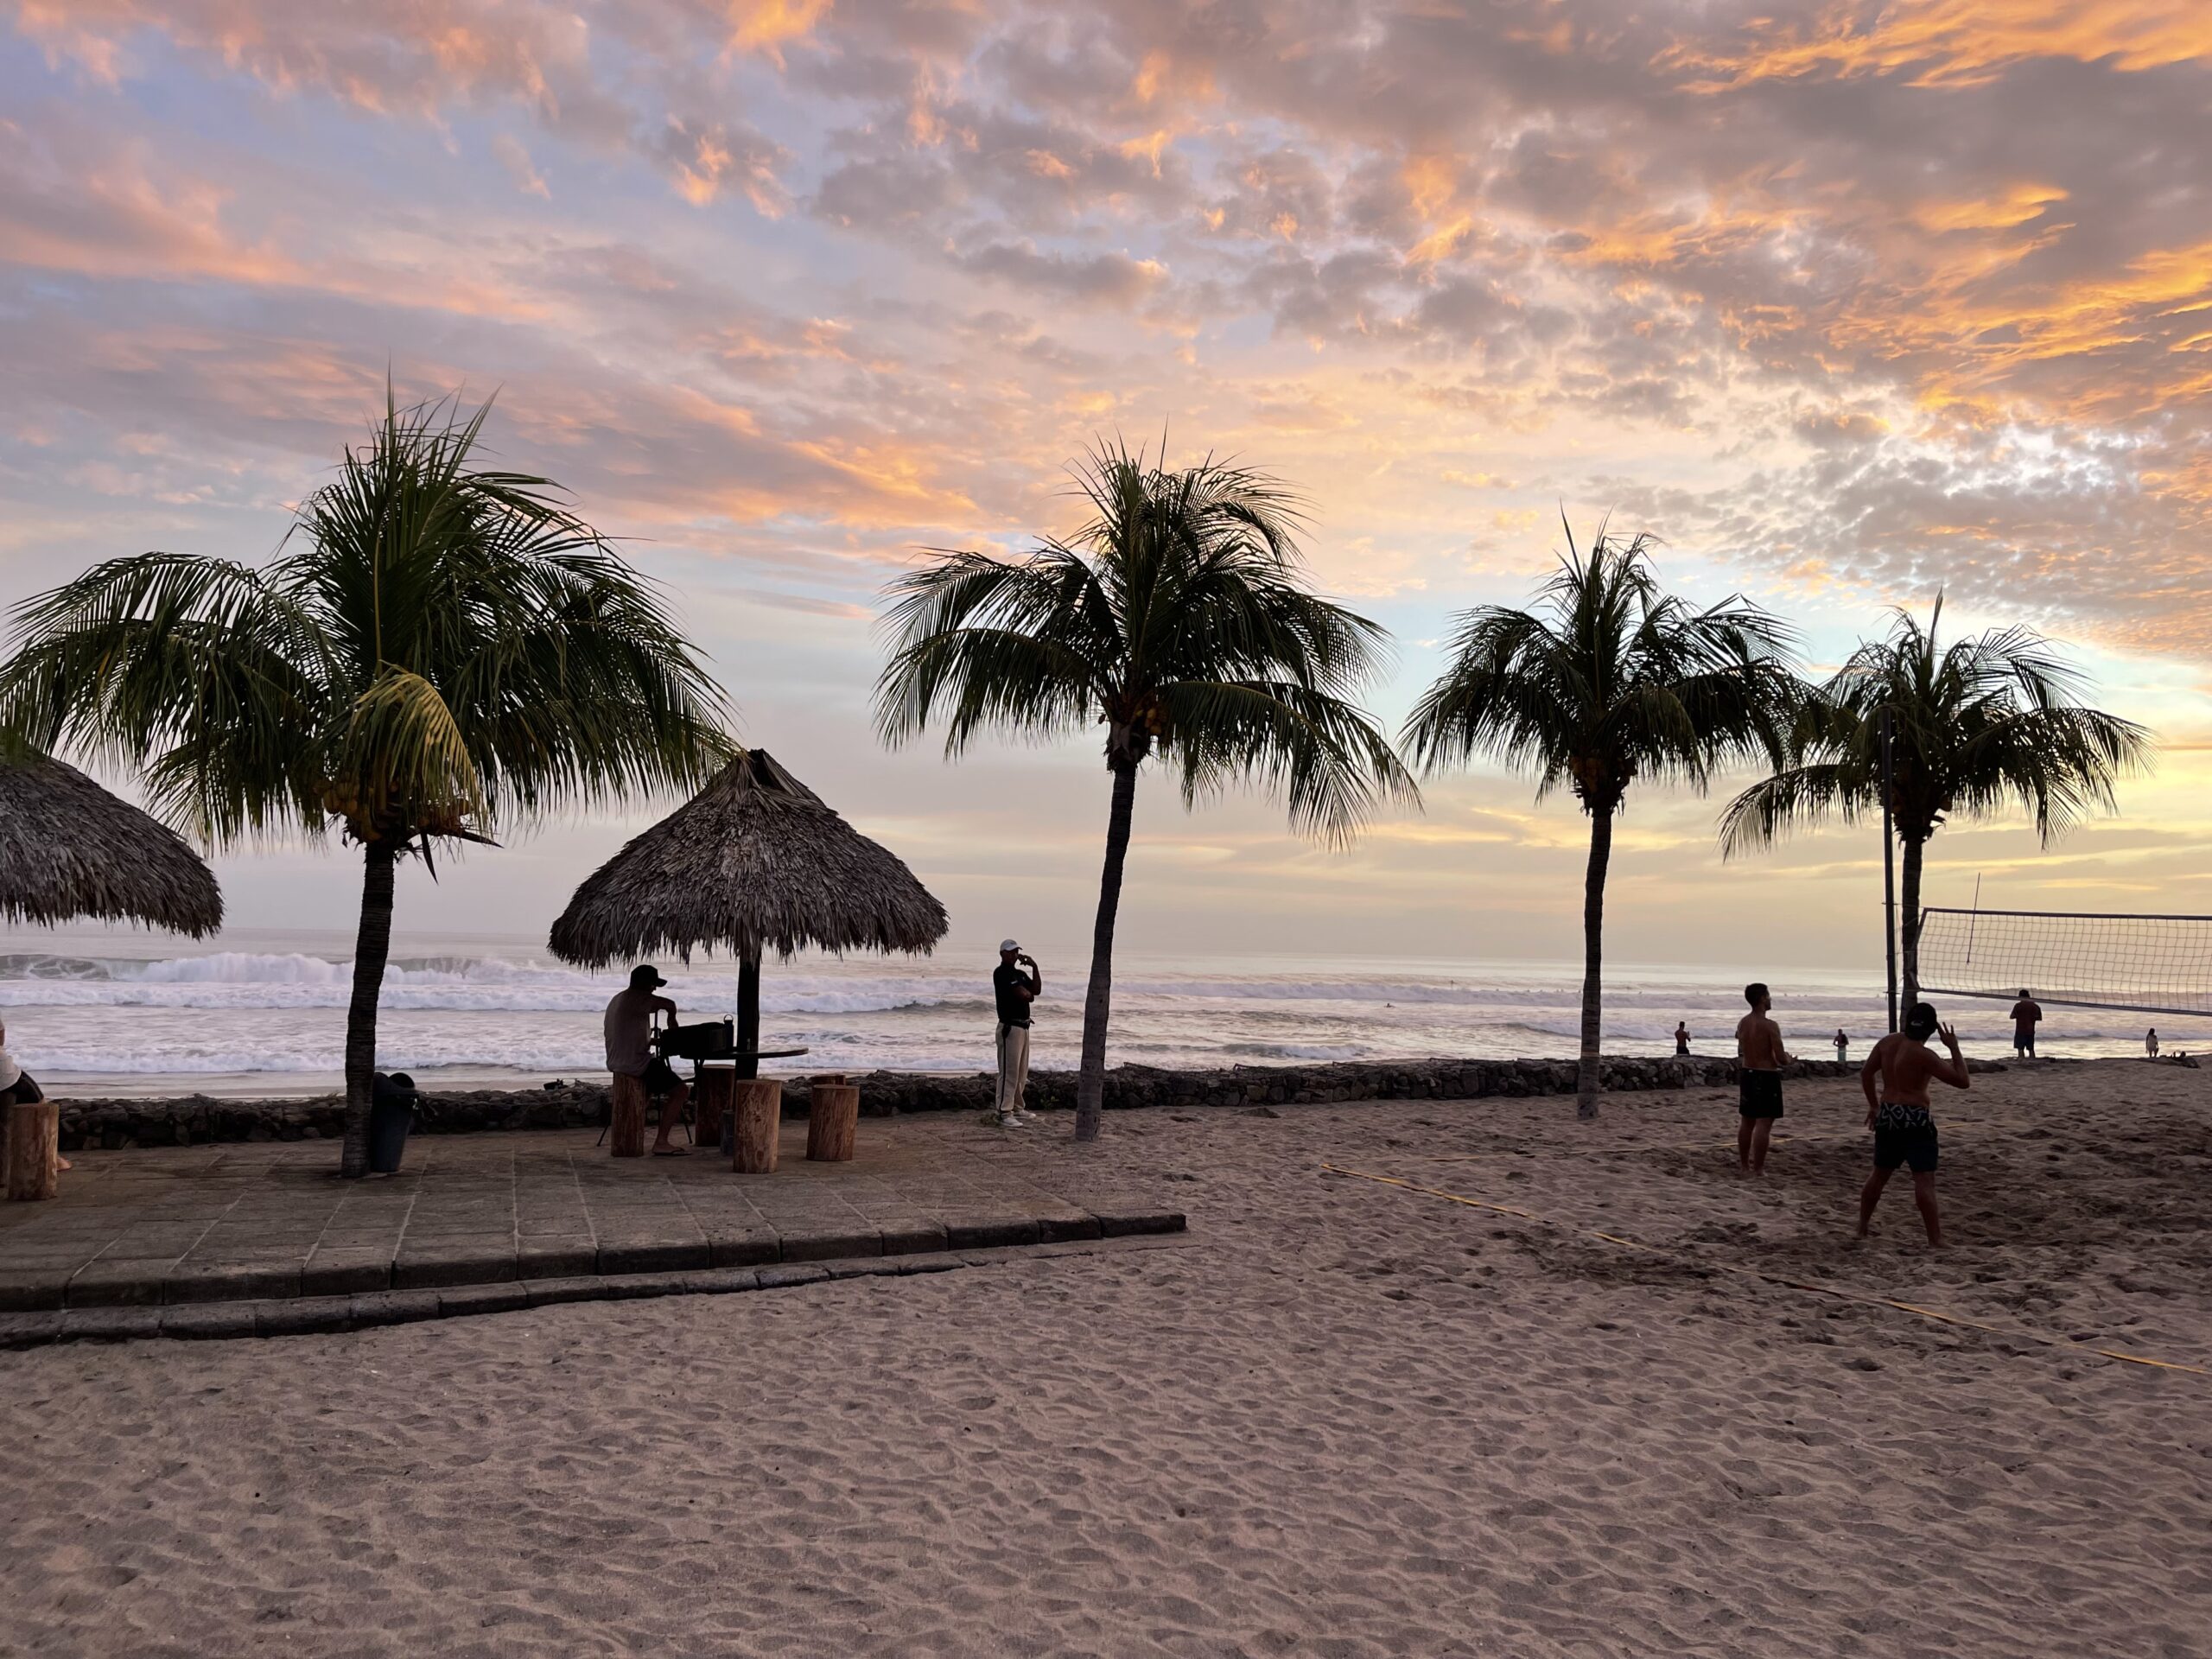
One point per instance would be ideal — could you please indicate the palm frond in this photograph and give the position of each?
(436, 640)
(1179, 616)
(1983, 726)
(1609, 680)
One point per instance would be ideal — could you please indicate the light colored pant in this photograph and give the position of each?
(1013, 1067)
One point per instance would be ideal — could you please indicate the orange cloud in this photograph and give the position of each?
(1950, 42)
(767, 26)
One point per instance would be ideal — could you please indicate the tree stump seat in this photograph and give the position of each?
(33, 1159)
(759, 1108)
(711, 1094)
(627, 1134)
(832, 1121)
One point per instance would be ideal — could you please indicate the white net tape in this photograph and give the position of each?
(2157, 964)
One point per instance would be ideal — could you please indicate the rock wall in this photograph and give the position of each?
(195, 1120)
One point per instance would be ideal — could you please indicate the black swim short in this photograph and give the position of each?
(1904, 1134)
(659, 1076)
(1758, 1094)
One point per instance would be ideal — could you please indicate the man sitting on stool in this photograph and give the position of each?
(630, 1049)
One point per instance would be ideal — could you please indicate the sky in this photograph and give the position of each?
(1846, 303)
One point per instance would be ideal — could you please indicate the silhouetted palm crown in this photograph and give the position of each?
(439, 650)
(1615, 680)
(1177, 618)
(1978, 726)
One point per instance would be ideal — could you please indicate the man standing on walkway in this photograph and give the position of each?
(1015, 991)
(2025, 1013)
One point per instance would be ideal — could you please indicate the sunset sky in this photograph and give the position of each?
(1845, 302)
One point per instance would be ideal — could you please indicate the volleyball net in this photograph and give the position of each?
(2154, 964)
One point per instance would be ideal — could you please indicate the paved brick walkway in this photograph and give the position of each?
(204, 1224)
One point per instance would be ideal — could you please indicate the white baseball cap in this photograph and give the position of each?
(1006, 945)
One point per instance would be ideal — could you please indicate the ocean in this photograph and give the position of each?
(121, 1013)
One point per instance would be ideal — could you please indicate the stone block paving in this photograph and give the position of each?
(180, 1228)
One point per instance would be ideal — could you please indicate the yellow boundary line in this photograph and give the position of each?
(1835, 1291)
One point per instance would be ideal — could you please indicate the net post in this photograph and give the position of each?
(1889, 875)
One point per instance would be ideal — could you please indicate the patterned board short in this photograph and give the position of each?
(1904, 1134)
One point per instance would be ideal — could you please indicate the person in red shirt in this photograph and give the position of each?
(2025, 1013)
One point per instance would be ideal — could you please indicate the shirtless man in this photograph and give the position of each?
(1897, 1112)
(1759, 1060)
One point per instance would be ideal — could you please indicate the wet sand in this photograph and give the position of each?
(1341, 1418)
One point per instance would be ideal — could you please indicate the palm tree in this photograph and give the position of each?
(1615, 681)
(1177, 617)
(438, 651)
(1976, 727)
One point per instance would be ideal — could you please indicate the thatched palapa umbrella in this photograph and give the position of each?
(70, 849)
(754, 862)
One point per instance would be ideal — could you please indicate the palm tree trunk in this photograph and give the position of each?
(1909, 921)
(1593, 956)
(1090, 1083)
(370, 948)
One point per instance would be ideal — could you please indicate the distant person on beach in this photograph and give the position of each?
(1681, 1038)
(2025, 1013)
(1759, 1060)
(630, 1049)
(18, 1087)
(1902, 1063)
(1842, 1046)
(2150, 1042)
(1015, 991)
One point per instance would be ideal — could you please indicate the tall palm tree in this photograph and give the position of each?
(1178, 618)
(1975, 727)
(438, 651)
(1614, 681)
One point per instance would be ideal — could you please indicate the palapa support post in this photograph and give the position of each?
(833, 1120)
(628, 1131)
(759, 1109)
(748, 1014)
(34, 1150)
(710, 1096)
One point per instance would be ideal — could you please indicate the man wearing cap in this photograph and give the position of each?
(1015, 991)
(630, 1049)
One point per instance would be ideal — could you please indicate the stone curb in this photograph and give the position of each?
(156, 1285)
(298, 1316)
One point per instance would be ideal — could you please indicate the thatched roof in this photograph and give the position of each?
(753, 862)
(69, 850)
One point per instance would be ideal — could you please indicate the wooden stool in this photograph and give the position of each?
(34, 1150)
(711, 1095)
(832, 1121)
(759, 1109)
(629, 1118)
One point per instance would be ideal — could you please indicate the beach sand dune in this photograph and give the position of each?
(1339, 1418)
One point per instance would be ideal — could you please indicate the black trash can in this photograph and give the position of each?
(391, 1114)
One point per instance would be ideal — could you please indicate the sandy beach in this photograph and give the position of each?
(1340, 1417)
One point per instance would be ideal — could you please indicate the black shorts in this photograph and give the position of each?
(659, 1077)
(2025, 1039)
(1904, 1134)
(1758, 1094)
